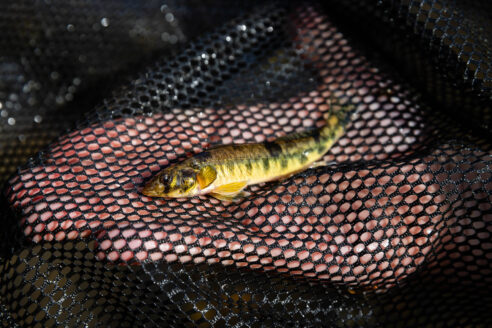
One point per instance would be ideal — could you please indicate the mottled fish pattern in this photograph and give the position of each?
(224, 171)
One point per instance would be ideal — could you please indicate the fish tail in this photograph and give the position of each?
(336, 120)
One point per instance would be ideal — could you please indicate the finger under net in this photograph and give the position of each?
(397, 228)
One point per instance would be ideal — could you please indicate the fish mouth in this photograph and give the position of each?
(150, 192)
(152, 189)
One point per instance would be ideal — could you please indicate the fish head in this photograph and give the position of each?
(173, 182)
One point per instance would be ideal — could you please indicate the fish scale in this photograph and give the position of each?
(270, 160)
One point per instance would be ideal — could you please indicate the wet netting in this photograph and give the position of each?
(395, 232)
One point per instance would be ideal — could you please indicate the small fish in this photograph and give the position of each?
(224, 171)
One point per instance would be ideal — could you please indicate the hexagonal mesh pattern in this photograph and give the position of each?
(442, 47)
(60, 59)
(395, 232)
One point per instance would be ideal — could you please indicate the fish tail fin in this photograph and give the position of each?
(337, 119)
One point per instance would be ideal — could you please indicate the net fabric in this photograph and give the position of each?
(442, 47)
(405, 211)
(59, 58)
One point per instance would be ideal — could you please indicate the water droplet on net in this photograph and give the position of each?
(70, 27)
(26, 88)
(173, 39)
(55, 75)
(38, 119)
(11, 121)
(404, 131)
(169, 17)
(104, 22)
(59, 100)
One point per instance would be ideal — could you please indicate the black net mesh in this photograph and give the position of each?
(395, 233)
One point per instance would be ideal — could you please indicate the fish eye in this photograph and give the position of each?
(188, 178)
(165, 178)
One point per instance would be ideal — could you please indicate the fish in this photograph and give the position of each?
(224, 171)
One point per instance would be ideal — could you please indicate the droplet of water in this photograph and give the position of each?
(169, 17)
(4, 113)
(11, 121)
(173, 39)
(55, 75)
(404, 131)
(104, 22)
(59, 100)
(26, 88)
(70, 28)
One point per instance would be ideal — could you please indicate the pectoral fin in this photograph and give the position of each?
(206, 176)
(321, 163)
(230, 192)
(231, 197)
(230, 188)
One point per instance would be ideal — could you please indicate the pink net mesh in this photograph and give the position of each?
(401, 219)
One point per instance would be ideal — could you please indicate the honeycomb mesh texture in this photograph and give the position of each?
(59, 58)
(396, 232)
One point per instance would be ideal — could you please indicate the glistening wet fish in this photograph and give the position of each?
(224, 171)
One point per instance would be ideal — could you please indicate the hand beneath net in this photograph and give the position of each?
(372, 225)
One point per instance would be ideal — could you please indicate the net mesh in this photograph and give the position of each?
(395, 233)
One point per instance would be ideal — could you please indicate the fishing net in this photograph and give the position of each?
(395, 232)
